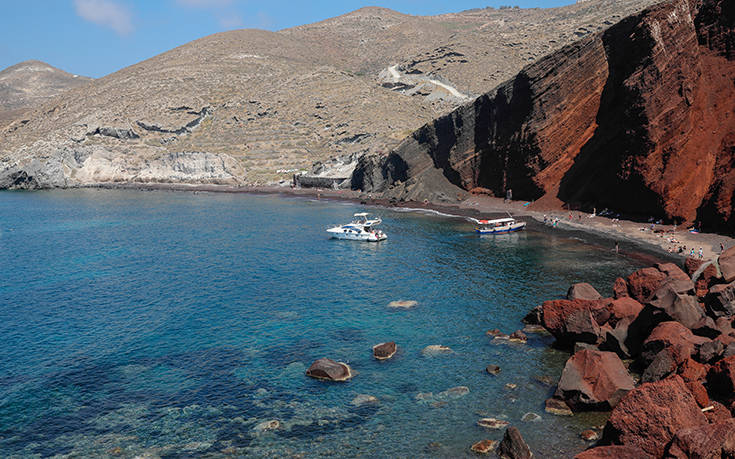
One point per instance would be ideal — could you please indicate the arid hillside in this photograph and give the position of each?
(31, 83)
(250, 106)
(637, 118)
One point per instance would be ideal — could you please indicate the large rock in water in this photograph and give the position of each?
(707, 441)
(513, 446)
(650, 415)
(682, 308)
(594, 380)
(582, 291)
(614, 452)
(573, 320)
(330, 370)
(384, 351)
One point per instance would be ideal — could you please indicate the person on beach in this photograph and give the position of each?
(508, 195)
(691, 252)
(701, 253)
(722, 247)
(617, 247)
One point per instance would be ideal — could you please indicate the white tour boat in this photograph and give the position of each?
(501, 225)
(360, 229)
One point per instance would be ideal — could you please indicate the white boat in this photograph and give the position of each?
(360, 229)
(501, 225)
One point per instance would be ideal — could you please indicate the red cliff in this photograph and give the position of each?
(639, 118)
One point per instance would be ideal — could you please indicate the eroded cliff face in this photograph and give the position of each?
(639, 118)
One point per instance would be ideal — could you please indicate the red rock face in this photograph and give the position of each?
(714, 440)
(649, 416)
(638, 118)
(613, 452)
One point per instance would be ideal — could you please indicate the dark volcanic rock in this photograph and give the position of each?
(614, 452)
(582, 291)
(650, 415)
(594, 380)
(384, 351)
(721, 378)
(513, 446)
(330, 370)
(720, 300)
(709, 441)
(727, 264)
(620, 288)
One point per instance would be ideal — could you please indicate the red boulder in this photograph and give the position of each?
(572, 320)
(644, 282)
(710, 441)
(650, 415)
(614, 452)
(668, 334)
(593, 380)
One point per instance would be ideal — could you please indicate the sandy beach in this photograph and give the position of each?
(624, 232)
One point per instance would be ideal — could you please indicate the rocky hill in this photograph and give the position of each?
(31, 83)
(250, 106)
(637, 118)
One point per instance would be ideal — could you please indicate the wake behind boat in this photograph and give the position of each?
(500, 225)
(360, 229)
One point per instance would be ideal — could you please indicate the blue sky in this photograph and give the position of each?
(97, 37)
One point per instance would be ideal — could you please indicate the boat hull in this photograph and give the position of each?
(502, 229)
(350, 236)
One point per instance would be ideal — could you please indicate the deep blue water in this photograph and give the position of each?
(171, 324)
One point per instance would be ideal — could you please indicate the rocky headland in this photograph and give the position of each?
(659, 353)
(636, 118)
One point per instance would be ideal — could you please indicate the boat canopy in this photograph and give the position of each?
(496, 222)
(361, 214)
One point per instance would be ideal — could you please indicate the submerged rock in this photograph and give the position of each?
(267, 425)
(493, 369)
(384, 351)
(530, 417)
(436, 349)
(492, 423)
(363, 399)
(454, 392)
(513, 446)
(402, 304)
(558, 407)
(518, 337)
(329, 370)
(484, 446)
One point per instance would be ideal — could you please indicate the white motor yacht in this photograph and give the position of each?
(360, 229)
(501, 225)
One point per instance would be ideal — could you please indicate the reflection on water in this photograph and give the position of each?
(173, 324)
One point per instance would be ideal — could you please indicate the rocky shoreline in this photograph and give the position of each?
(659, 354)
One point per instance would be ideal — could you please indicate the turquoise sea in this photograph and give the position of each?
(171, 324)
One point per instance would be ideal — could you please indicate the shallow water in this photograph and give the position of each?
(172, 324)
